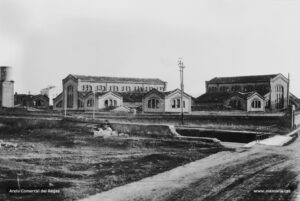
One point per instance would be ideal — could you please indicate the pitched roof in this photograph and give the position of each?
(132, 97)
(221, 97)
(213, 97)
(246, 95)
(118, 79)
(164, 93)
(242, 79)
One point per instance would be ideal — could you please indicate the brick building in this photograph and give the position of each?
(27, 100)
(166, 102)
(80, 92)
(248, 93)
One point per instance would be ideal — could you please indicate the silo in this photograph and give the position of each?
(6, 87)
(5, 73)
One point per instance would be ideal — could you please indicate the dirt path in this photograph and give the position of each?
(261, 173)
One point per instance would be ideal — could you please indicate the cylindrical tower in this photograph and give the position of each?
(5, 73)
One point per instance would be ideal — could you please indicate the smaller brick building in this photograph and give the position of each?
(35, 101)
(164, 102)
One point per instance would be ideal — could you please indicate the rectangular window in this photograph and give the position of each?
(178, 103)
(173, 103)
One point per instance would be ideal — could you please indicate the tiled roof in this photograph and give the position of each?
(127, 97)
(118, 79)
(242, 79)
(247, 94)
(164, 93)
(132, 97)
(213, 97)
(221, 97)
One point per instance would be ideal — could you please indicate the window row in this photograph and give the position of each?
(256, 104)
(119, 88)
(110, 103)
(153, 103)
(236, 88)
(175, 103)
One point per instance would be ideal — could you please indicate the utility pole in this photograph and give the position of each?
(181, 67)
(94, 93)
(65, 103)
(288, 91)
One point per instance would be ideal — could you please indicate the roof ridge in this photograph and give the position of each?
(94, 76)
(248, 76)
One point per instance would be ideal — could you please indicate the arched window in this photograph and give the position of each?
(178, 103)
(90, 102)
(256, 104)
(70, 96)
(106, 103)
(279, 101)
(116, 88)
(157, 103)
(87, 87)
(115, 103)
(153, 103)
(175, 103)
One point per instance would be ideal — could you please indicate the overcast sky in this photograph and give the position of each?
(44, 41)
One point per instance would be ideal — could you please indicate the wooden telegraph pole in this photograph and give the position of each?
(181, 67)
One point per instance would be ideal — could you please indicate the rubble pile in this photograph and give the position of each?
(105, 131)
(8, 144)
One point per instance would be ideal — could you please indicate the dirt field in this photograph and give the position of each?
(262, 173)
(74, 164)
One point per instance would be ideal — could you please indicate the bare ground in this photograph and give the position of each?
(80, 165)
(261, 173)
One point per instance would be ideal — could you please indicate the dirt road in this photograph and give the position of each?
(260, 173)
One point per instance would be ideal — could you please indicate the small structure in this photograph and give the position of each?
(27, 100)
(106, 100)
(6, 87)
(250, 102)
(156, 101)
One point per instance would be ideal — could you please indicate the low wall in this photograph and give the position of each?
(18, 123)
(214, 121)
(132, 129)
(126, 128)
(222, 135)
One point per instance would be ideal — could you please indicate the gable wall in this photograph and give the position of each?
(169, 102)
(153, 96)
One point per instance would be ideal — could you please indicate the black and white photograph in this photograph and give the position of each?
(139, 100)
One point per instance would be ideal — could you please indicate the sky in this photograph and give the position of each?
(45, 40)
